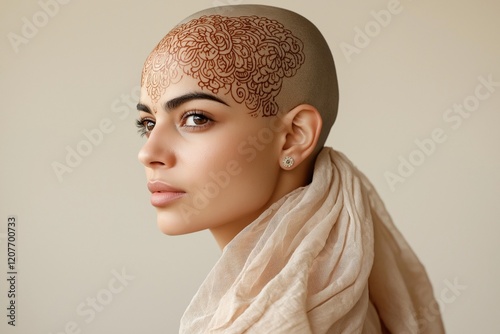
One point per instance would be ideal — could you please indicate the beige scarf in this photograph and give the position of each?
(326, 258)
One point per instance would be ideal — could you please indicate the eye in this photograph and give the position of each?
(195, 119)
(145, 126)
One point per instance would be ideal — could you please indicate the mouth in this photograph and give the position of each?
(163, 194)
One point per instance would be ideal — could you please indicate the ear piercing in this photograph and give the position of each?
(288, 162)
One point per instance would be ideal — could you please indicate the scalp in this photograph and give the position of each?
(268, 58)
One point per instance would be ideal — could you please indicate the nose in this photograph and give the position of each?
(156, 153)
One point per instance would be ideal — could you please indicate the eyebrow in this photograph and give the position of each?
(178, 101)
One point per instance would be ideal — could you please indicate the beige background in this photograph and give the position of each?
(83, 65)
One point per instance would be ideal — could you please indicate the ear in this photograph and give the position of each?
(303, 126)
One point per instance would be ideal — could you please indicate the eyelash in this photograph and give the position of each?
(143, 131)
(140, 123)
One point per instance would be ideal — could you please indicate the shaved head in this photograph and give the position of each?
(267, 58)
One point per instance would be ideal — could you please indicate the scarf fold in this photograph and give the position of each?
(326, 258)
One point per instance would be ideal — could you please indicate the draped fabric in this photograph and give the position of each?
(326, 258)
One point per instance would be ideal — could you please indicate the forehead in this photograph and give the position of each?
(245, 56)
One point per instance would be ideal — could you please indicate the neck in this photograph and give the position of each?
(224, 234)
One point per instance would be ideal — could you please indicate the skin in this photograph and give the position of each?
(226, 137)
(183, 154)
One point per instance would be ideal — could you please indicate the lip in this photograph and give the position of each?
(162, 194)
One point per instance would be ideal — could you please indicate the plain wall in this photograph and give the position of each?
(80, 71)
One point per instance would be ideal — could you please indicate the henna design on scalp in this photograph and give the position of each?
(247, 56)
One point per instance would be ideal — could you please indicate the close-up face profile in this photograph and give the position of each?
(250, 166)
(209, 113)
(235, 110)
(201, 149)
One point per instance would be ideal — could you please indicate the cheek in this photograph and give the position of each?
(235, 174)
(244, 178)
(230, 177)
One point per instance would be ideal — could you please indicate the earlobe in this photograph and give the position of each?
(303, 129)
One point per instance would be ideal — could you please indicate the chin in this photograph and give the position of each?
(171, 225)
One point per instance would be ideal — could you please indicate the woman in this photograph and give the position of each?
(236, 104)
